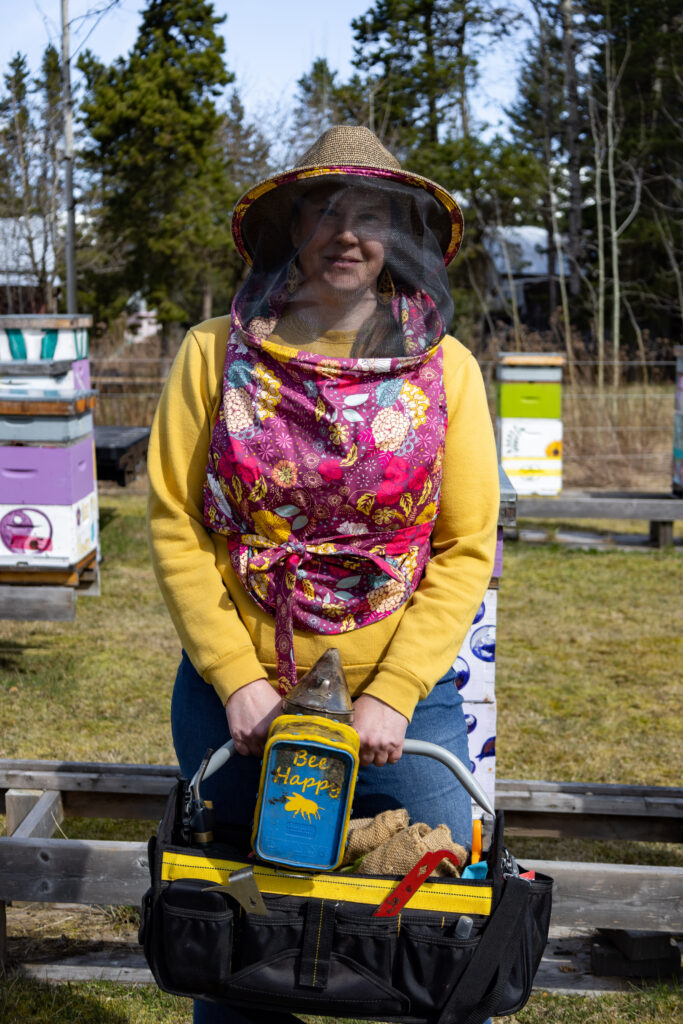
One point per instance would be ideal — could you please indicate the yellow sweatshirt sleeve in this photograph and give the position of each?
(442, 608)
(182, 550)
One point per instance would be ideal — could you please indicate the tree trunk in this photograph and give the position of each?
(433, 118)
(516, 329)
(548, 156)
(598, 157)
(462, 75)
(572, 143)
(550, 260)
(612, 215)
(207, 301)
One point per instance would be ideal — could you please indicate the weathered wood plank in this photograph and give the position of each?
(525, 788)
(34, 576)
(117, 806)
(602, 505)
(609, 801)
(519, 794)
(72, 871)
(56, 604)
(45, 321)
(662, 533)
(46, 407)
(588, 810)
(18, 802)
(69, 971)
(26, 765)
(88, 777)
(615, 827)
(3, 934)
(587, 895)
(583, 810)
(565, 968)
(42, 820)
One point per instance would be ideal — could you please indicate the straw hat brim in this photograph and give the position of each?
(259, 208)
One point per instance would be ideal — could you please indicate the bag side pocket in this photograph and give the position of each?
(431, 960)
(194, 938)
(533, 936)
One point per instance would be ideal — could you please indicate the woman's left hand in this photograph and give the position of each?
(381, 730)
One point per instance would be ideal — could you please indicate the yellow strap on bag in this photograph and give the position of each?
(445, 897)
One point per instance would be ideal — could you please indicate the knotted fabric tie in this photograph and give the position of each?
(292, 562)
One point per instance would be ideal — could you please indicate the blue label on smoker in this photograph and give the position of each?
(304, 804)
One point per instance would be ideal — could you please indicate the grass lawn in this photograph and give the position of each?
(23, 1002)
(588, 649)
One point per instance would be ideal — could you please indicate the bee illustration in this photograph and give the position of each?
(300, 804)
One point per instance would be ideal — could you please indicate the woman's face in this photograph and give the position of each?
(343, 237)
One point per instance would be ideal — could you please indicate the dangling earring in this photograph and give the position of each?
(293, 277)
(385, 287)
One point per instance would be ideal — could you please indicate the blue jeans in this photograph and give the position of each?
(426, 788)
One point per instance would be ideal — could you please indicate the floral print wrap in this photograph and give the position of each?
(324, 474)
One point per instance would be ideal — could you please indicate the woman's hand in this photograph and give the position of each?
(381, 730)
(250, 710)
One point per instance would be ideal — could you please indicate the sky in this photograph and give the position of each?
(270, 43)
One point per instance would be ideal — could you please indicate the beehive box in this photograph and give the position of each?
(48, 487)
(44, 338)
(475, 665)
(529, 420)
(29, 429)
(47, 475)
(47, 536)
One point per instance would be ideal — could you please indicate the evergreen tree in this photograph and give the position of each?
(317, 106)
(245, 147)
(536, 127)
(421, 59)
(155, 150)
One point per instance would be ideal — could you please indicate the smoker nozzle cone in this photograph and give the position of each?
(322, 691)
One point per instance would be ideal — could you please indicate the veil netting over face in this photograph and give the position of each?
(351, 241)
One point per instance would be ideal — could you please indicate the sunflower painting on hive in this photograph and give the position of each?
(554, 450)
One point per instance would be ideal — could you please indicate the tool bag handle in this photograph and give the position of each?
(461, 772)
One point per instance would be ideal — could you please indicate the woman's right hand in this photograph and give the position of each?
(250, 710)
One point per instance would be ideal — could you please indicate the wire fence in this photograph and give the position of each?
(610, 438)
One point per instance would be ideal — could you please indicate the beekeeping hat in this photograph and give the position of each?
(342, 154)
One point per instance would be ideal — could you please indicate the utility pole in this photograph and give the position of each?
(71, 303)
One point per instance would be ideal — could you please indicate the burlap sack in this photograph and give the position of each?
(401, 852)
(367, 834)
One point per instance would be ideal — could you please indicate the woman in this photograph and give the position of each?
(323, 473)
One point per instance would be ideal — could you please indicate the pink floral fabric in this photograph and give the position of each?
(324, 474)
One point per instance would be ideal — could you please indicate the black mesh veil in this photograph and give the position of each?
(350, 252)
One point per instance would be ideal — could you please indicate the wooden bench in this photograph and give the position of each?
(661, 510)
(38, 795)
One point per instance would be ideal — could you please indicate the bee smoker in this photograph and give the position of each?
(308, 774)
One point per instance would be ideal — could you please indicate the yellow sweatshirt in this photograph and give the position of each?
(228, 637)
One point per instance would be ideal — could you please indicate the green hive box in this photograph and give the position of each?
(529, 399)
(529, 421)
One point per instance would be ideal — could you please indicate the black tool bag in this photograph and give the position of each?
(458, 952)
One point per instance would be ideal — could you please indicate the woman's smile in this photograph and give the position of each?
(343, 238)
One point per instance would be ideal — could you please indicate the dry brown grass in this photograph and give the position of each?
(129, 379)
(620, 439)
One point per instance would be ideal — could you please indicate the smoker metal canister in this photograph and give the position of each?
(308, 777)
